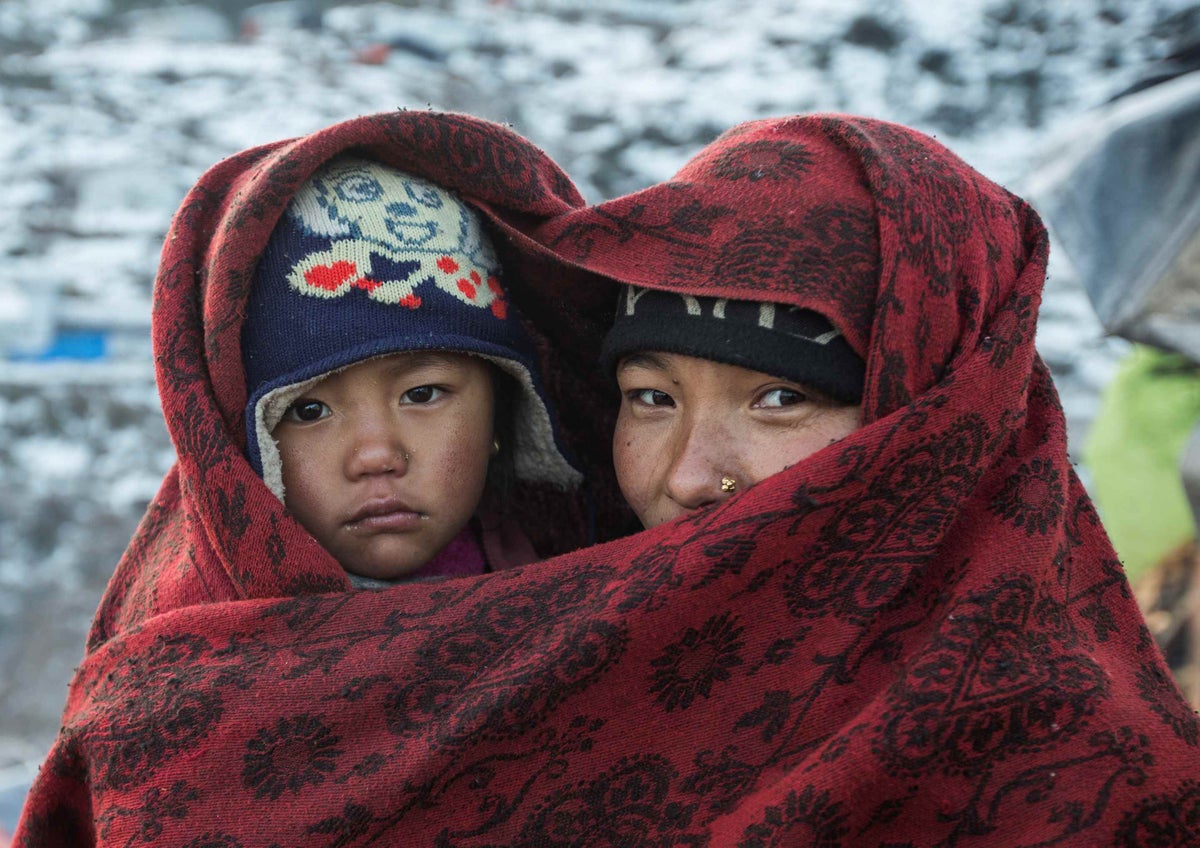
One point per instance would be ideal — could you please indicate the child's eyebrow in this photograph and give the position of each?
(423, 359)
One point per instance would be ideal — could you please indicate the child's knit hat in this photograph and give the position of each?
(369, 261)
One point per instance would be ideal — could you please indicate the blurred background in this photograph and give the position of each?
(111, 109)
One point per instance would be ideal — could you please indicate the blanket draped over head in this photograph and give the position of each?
(919, 636)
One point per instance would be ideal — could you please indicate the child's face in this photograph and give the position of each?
(686, 423)
(385, 462)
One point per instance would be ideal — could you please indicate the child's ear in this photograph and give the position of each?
(502, 470)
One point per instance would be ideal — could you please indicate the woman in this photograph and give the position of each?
(914, 635)
(718, 394)
(833, 413)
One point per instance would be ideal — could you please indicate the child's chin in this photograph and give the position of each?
(395, 563)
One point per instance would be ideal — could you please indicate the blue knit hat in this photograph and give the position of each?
(369, 261)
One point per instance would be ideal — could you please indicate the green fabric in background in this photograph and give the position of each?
(1132, 454)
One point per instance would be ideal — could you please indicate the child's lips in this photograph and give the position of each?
(385, 515)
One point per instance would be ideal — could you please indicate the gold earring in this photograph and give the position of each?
(495, 446)
(728, 485)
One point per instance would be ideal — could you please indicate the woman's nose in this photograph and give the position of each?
(375, 447)
(703, 456)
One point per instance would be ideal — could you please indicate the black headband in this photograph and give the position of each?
(794, 344)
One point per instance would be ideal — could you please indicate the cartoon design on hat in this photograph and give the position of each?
(368, 261)
(423, 233)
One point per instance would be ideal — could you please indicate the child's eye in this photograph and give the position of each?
(303, 411)
(422, 394)
(776, 398)
(650, 397)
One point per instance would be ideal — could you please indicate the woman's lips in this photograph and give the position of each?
(390, 515)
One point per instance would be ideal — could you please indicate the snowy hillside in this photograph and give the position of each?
(110, 109)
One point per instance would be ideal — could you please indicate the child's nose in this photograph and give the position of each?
(376, 449)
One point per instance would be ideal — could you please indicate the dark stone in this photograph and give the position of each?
(869, 31)
(939, 63)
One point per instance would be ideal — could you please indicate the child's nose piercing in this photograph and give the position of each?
(391, 467)
(728, 484)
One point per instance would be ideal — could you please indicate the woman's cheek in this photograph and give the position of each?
(628, 448)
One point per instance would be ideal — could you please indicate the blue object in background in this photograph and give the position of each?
(69, 344)
(12, 798)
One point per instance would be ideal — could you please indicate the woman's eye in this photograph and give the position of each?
(781, 397)
(422, 394)
(304, 411)
(650, 397)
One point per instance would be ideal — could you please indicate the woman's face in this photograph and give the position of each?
(386, 461)
(686, 423)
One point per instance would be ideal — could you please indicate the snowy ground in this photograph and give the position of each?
(110, 109)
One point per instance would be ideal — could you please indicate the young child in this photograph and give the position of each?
(392, 392)
(352, 399)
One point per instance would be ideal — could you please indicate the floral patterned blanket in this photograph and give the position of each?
(919, 636)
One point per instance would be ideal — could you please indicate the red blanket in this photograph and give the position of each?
(919, 636)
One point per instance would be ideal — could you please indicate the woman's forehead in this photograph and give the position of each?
(679, 365)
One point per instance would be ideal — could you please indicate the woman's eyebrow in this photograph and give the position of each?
(643, 360)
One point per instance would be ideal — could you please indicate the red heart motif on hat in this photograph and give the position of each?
(331, 277)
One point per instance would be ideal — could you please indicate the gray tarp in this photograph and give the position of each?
(1121, 196)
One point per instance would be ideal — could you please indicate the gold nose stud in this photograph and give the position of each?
(728, 485)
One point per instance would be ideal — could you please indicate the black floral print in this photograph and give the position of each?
(285, 757)
(691, 666)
